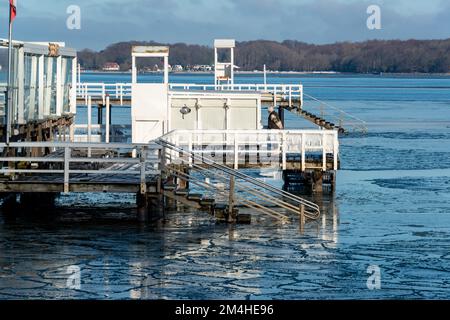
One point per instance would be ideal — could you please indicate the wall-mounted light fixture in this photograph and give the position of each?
(185, 110)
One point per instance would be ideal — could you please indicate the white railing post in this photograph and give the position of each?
(103, 93)
(236, 152)
(89, 118)
(86, 93)
(108, 117)
(301, 95)
(284, 150)
(324, 151)
(121, 94)
(290, 96)
(336, 150)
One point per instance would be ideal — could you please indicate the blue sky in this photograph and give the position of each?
(200, 21)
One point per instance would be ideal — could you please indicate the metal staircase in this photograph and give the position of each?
(330, 117)
(220, 190)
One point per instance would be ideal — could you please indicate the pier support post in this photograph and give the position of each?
(72, 133)
(108, 119)
(10, 204)
(11, 152)
(231, 201)
(182, 183)
(150, 207)
(40, 202)
(302, 218)
(317, 180)
(142, 207)
(155, 206)
(333, 181)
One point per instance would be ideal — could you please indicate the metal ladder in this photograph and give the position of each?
(220, 182)
(330, 117)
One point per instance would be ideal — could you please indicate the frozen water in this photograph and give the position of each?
(391, 209)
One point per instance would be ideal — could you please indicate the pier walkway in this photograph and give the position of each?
(289, 97)
(120, 93)
(200, 169)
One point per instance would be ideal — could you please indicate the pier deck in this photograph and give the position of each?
(149, 170)
(78, 167)
(100, 167)
(120, 93)
(78, 183)
(289, 97)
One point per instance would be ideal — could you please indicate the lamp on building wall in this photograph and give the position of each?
(185, 110)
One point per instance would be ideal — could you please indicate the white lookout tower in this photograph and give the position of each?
(149, 100)
(224, 71)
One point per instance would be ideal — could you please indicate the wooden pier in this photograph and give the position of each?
(189, 142)
(76, 167)
(166, 170)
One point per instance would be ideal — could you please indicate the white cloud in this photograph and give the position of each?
(200, 21)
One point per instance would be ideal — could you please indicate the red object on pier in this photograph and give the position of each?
(13, 10)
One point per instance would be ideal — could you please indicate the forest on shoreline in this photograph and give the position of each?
(374, 56)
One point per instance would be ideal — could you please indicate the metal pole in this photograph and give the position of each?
(232, 66)
(79, 73)
(108, 118)
(89, 115)
(265, 78)
(8, 109)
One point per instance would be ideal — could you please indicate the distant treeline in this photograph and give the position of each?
(390, 56)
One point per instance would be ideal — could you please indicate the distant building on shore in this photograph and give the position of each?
(177, 68)
(111, 66)
(202, 68)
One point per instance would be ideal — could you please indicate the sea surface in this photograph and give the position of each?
(385, 234)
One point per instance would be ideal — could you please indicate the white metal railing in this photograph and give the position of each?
(288, 92)
(100, 90)
(3, 90)
(333, 114)
(99, 133)
(259, 146)
(245, 190)
(64, 157)
(122, 91)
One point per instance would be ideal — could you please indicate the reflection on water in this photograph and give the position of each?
(329, 220)
(188, 256)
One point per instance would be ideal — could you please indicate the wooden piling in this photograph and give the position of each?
(150, 206)
(302, 218)
(142, 207)
(231, 200)
(317, 181)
